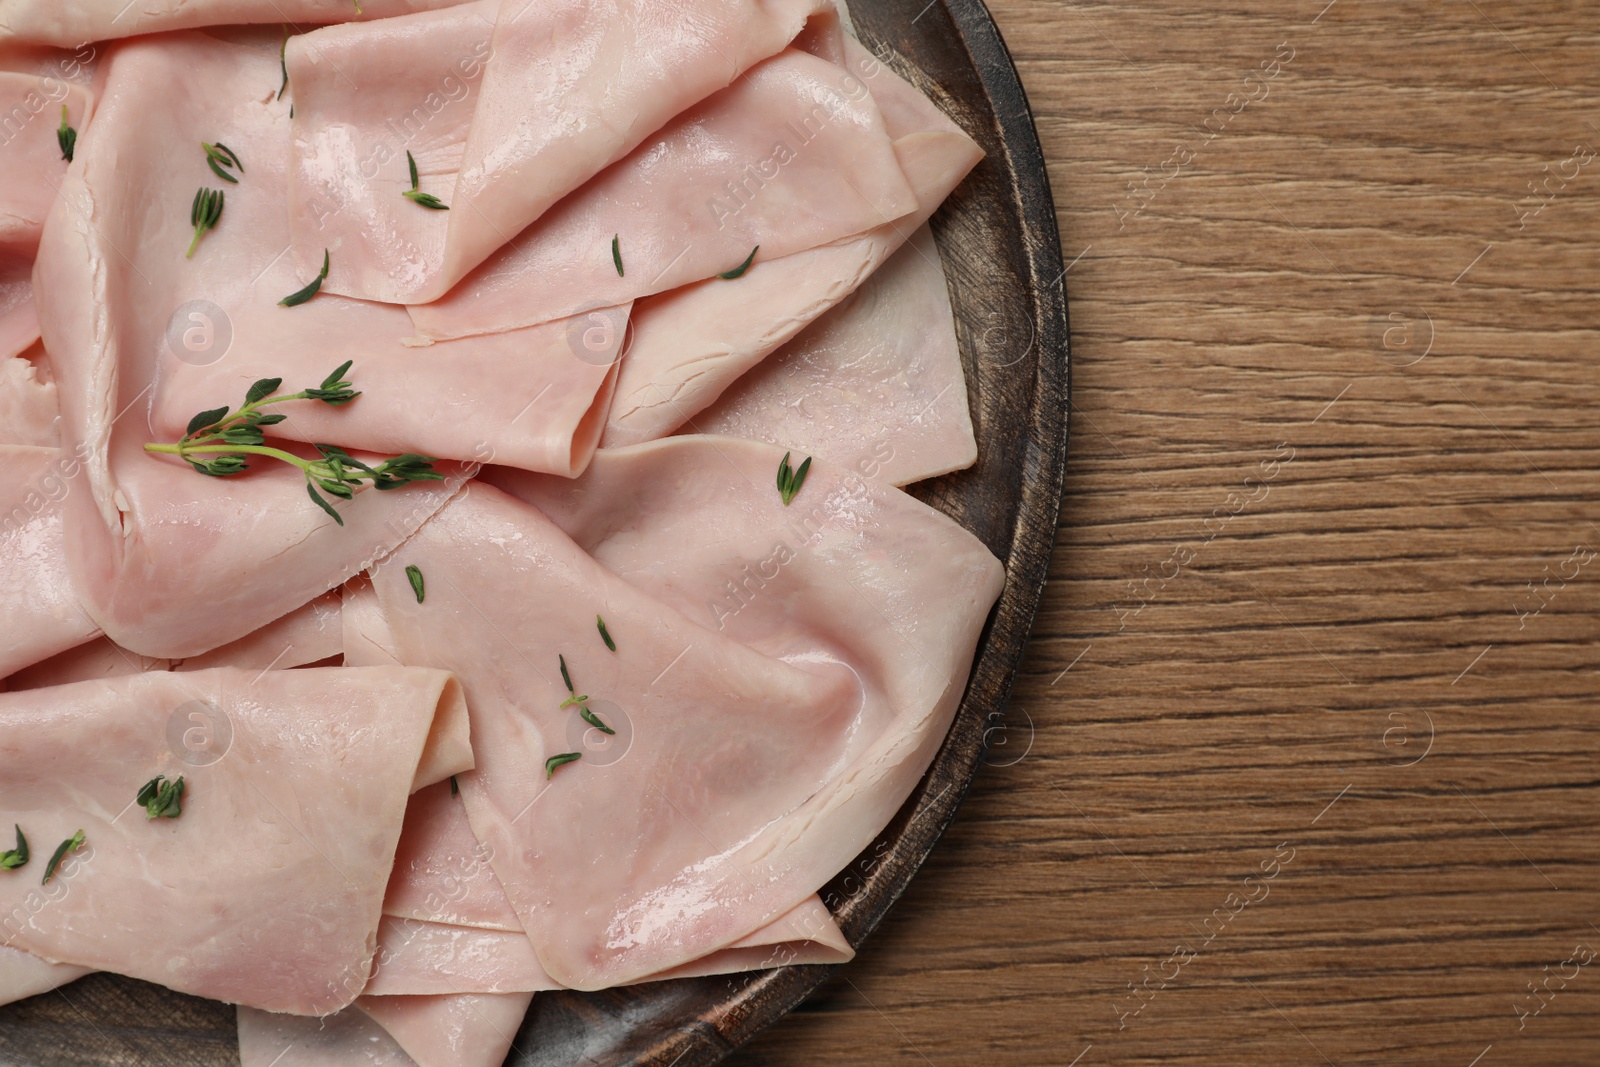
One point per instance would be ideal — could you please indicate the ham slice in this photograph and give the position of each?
(349, 1038)
(24, 975)
(28, 408)
(149, 539)
(688, 345)
(465, 1030)
(68, 23)
(32, 165)
(791, 156)
(308, 635)
(568, 87)
(267, 890)
(43, 614)
(868, 683)
(877, 384)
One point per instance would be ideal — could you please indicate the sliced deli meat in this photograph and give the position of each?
(349, 1038)
(69, 23)
(28, 409)
(568, 88)
(792, 155)
(149, 538)
(690, 344)
(43, 614)
(877, 384)
(25, 975)
(812, 713)
(458, 1030)
(267, 888)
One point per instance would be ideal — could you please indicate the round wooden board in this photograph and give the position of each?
(997, 236)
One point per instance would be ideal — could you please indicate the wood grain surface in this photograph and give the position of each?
(1301, 768)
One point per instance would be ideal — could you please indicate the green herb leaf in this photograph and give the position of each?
(13, 858)
(594, 720)
(160, 798)
(261, 390)
(71, 844)
(411, 161)
(323, 504)
(312, 288)
(283, 61)
(66, 136)
(790, 480)
(604, 634)
(555, 762)
(455, 787)
(427, 200)
(616, 253)
(414, 576)
(738, 272)
(203, 215)
(220, 156)
(204, 419)
(565, 677)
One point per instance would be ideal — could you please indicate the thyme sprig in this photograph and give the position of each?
(66, 136)
(13, 858)
(221, 159)
(160, 798)
(790, 480)
(218, 442)
(579, 700)
(203, 215)
(413, 194)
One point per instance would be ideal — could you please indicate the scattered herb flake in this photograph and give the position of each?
(616, 253)
(283, 61)
(565, 677)
(312, 288)
(594, 720)
(790, 480)
(11, 859)
(605, 635)
(554, 763)
(220, 158)
(427, 200)
(66, 136)
(455, 787)
(71, 844)
(203, 215)
(414, 576)
(160, 798)
(738, 272)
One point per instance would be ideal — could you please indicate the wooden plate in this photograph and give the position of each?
(998, 238)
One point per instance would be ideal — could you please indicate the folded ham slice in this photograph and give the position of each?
(32, 164)
(821, 707)
(349, 1038)
(28, 408)
(877, 384)
(568, 88)
(43, 615)
(267, 889)
(688, 345)
(25, 975)
(149, 539)
(68, 23)
(791, 156)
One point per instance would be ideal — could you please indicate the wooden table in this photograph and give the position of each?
(1302, 765)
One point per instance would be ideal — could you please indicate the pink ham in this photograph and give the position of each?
(877, 384)
(791, 156)
(28, 407)
(569, 88)
(282, 917)
(532, 398)
(607, 901)
(308, 635)
(149, 539)
(31, 164)
(688, 345)
(43, 615)
(24, 975)
(349, 1038)
(465, 1030)
(68, 23)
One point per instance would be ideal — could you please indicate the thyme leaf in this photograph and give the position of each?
(11, 859)
(203, 214)
(312, 288)
(790, 480)
(220, 158)
(738, 272)
(427, 200)
(565, 677)
(616, 253)
(160, 798)
(71, 844)
(605, 635)
(66, 136)
(594, 720)
(554, 763)
(414, 576)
